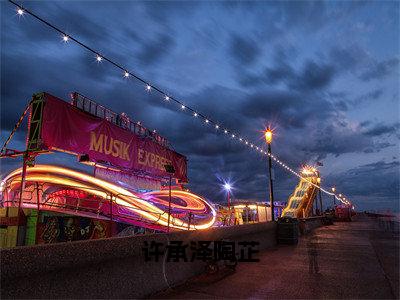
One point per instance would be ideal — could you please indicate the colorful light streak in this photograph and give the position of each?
(148, 205)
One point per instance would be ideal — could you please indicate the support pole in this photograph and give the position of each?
(320, 201)
(271, 189)
(23, 175)
(111, 215)
(38, 210)
(169, 201)
(190, 219)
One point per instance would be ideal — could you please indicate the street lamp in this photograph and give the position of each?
(228, 188)
(268, 140)
(170, 170)
(334, 196)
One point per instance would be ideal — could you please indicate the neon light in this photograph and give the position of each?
(127, 202)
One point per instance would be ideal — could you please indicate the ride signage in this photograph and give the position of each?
(67, 128)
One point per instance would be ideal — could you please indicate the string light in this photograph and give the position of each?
(21, 11)
(195, 114)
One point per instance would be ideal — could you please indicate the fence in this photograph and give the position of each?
(121, 120)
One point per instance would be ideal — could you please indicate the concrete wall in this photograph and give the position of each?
(110, 268)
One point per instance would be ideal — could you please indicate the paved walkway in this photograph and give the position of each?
(344, 260)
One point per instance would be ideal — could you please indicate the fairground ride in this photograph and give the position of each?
(58, 189)
(300, 202)
(132, 168)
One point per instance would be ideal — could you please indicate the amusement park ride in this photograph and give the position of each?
(132, 166)
(300, 203)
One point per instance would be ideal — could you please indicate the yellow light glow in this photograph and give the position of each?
(268, 136)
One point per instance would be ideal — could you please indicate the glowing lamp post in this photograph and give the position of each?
(228, 188)
(334, 196)
(268, 140)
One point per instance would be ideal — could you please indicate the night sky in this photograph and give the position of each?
(324, 75)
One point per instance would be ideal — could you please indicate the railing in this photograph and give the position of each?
(121, 120)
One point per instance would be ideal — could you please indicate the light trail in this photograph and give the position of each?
(147, 205)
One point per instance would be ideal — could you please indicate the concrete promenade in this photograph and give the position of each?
(356, 259)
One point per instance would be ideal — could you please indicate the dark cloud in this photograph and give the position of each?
(280, 73)
(153, 51)
(349, 58)
(382, 129)
(294, 109)
(380, 69)
(335, 139)
(244, 50)
(313, 76)
(309, 15)
(341, 105)
(367, 98)
(372, 186)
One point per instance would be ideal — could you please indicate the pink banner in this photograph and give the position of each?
(67, 128)
(141, 182)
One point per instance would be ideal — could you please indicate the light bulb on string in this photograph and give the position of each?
(66, 38)
(195, 114)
